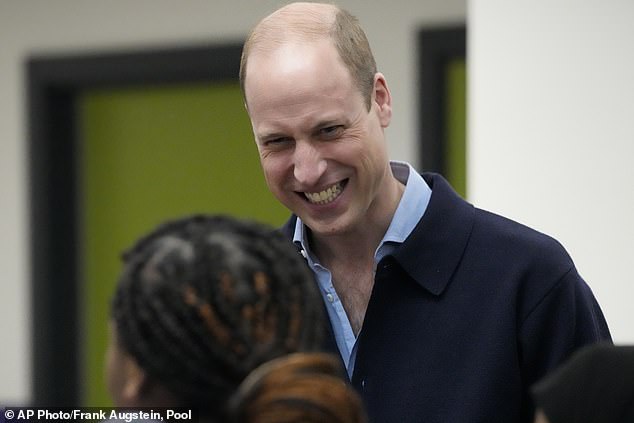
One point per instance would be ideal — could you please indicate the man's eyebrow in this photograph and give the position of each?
(321, 124)
(326, 123)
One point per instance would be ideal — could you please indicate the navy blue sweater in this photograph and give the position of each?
(466, 315)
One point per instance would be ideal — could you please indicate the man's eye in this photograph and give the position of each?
(277, 142)
(331, 131)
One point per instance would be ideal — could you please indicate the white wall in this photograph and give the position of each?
(551, 131)
(44, 26)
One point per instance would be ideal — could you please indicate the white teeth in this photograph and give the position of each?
(326, 196)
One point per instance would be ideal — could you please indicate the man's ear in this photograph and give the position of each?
(382, 99)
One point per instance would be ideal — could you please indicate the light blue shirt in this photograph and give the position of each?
(408, 213)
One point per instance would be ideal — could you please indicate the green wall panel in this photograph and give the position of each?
(146, 155)
(456, 121)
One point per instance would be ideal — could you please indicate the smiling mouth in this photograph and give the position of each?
(326, 196)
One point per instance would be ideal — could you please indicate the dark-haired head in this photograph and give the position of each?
(595, 385)
(201, 302)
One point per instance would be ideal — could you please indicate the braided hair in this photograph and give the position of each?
(203, 300)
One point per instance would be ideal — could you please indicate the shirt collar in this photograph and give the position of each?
(412, 205)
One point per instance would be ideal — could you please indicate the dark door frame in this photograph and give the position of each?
(437, 47)
(53, 84)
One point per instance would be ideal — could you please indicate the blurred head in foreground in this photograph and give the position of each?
(596, 385)
(201, 302)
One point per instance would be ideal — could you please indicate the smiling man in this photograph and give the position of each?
(441, 312)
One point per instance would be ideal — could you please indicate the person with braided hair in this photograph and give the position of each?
(202, 301)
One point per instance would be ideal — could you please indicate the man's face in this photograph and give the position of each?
(322, 151)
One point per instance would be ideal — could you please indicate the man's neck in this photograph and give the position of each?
(353, 246)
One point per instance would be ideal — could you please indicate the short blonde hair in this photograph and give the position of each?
(309, 22)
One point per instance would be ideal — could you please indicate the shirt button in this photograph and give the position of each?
(330, 298)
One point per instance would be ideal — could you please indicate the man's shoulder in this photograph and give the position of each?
(489, 230)
(506, 230)
(514, 244)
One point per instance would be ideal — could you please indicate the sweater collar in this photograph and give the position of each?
(432, 252)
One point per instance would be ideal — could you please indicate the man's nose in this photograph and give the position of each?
(309, 165)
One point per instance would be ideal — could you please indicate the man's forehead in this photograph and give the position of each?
(296, 67)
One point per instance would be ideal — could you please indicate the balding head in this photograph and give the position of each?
(308, 22)
(294, 22)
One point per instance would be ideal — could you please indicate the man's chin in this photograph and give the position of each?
(325, 228)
